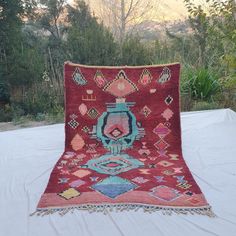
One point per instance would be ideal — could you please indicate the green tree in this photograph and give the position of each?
(134, 52)
(88, 41)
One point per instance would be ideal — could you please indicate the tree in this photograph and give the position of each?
(88, 41)
(124, 15)
(10, 35)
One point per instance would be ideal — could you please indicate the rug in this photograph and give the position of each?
(122, 144)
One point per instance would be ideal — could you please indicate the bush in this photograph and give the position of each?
(202, 105)
(201, 84)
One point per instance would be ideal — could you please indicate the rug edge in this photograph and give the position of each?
(118, 207)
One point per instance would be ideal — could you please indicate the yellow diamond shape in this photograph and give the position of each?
(69, 193)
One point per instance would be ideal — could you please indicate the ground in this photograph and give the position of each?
(4, 126)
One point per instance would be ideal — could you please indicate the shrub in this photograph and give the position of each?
(202, 105)
(201, 84)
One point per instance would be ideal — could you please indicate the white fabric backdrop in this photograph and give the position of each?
(27, 157)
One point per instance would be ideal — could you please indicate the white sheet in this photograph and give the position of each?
(27, 157)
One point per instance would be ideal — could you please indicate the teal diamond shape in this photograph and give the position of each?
(114, 186)
(113, 164)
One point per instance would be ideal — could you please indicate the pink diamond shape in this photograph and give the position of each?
(161, 145)
(165, 193)
(161, 130)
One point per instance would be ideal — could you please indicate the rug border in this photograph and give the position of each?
(119, 207)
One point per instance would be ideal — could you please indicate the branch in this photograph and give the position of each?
(130, 7)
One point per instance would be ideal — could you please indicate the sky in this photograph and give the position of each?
(163, 10)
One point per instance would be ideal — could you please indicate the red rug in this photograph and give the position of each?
(123, 144)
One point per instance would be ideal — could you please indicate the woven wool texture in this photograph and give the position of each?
(123, 143)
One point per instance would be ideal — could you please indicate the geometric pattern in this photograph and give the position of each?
(146, 111)
(113, 164)
(122, 144)
(140, 180)
(73, 124)
(184, 185)
(168, 100)
(81, 173)
(165, 75)
(85, 129)
(165, 193)
(92, 113)
(78, 77)
(145, 77)
(69, 193)
(77, 183)
(167, 114)
(117, 128)
(99, 79)
(121, 86)
(165, 163)
(161, 130)
(114, 186)
(161, 145)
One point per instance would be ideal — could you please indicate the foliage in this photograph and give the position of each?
(88, 41)
(203, 105)
(201, 83)
(133, 52)
(4, 92)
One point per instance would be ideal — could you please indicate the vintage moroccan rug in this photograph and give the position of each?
(123, 144)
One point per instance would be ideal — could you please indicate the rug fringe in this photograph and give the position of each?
(207, 211)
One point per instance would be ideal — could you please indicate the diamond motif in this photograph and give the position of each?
(113, 164)
(161, 130)
(114, 186)
(73, 124)
(167, 114)
(78, 77)
(145, 77)
(165, 163)
(184, 185)
(93, 113)
(168, 172)
(121, 86)
(85, 129)
(116, 132)
(165, 193)
(168, 100)
(69, 193)
(81, 173)
(77, 183)
(140, 180)
(161, 145)
(146, 111)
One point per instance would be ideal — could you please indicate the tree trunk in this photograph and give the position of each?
(123, 21)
